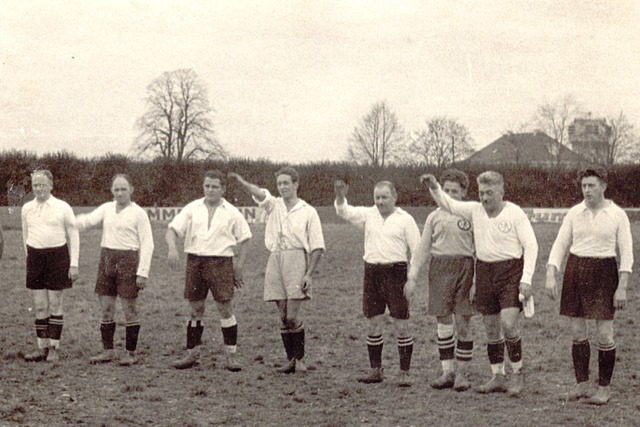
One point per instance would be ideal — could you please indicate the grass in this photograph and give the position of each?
(152, 394)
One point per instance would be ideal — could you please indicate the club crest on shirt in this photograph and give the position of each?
(504, 226)
(464, 225)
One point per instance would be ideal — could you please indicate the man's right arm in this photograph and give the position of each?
(170, 237)
(454, 207)
(256, 192)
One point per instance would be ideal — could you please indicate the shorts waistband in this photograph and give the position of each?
(121, 251)
(451, 257)
(389, 264)
(289, 250)
(43, 250)
(214, 257)
(505, 261)
(592, 259)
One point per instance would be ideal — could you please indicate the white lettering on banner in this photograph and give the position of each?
(252, 214)
(546, 215)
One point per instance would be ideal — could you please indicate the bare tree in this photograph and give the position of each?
(554, 118)
(624, 144)
(443, 142)
(379, 139)
(178, 124)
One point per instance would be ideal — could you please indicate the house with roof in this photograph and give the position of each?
(590, 138)
(531, 149)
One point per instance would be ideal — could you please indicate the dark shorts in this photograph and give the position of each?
(588, 288)
(48, 268)
(384, 286)
(117, 273)
(450, 280)
(498, 285)
(206, 273)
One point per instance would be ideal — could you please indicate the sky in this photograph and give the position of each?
(289, 80)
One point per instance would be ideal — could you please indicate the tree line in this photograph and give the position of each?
(178, 125)
(87, 181)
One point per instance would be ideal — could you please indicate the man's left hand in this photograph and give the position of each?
(73, 273)
(620, 299)
(141, 282)
(525, 290)
(239, 276)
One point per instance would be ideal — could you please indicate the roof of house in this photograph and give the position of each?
(525, 148)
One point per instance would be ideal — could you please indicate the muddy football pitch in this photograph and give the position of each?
(151, 393)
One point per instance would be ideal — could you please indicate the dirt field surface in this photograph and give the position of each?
(151, 393)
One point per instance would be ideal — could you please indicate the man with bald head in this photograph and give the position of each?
(506, 251)
(390, 234)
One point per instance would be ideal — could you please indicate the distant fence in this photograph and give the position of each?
(10, 217)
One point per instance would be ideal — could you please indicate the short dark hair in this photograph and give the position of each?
(490, 178)
(597, 171)
(288, 170)
(45, 172)
(455, 175)
(215, 174)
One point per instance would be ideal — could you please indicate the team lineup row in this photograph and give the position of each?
(480, 255)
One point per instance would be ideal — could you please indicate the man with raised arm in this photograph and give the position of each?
(448, 240)
(506, 251)
(391, 235)
(294, 237)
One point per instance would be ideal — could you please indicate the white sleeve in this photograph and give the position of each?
(455, 207)
(353, 214)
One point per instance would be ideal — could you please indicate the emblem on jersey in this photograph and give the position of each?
(464, 225)
(504, 226)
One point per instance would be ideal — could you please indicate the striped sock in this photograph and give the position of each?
(55, 330)
(374, 346)
(464, 351)
(42, 332)
(405, 349)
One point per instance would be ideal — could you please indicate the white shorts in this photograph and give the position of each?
(284, 274)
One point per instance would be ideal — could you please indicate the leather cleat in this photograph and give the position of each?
(576, 392)
(128, 360)
(289, 368)
(405, 379)
(232, 365)
(52, 355)
(104, 357)
(497, 384)
(374, 377)
(189, 361)
(515, 384)
(446, 380)
(39, 355)
(600, 398)
(461, 382)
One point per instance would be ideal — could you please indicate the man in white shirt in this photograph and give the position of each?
(215, 240)
(506, 251)
(125, 258)
(391, 234)
(52, 243)
(592, 287)
(293, 235)
(448, 240)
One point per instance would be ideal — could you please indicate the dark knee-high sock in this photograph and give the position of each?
(107, 331)
(230, 334)
(297, 340)
(464, 353)
(405, 350)
(495, 351)
(285, 333)
(514, 350)
(55, 330)
(374, 346)
(194, 334)
(42, 332)
(606, 363)
(581, 354)
(446, 346)
(132, 330)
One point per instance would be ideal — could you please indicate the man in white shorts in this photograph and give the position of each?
(293, 235)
